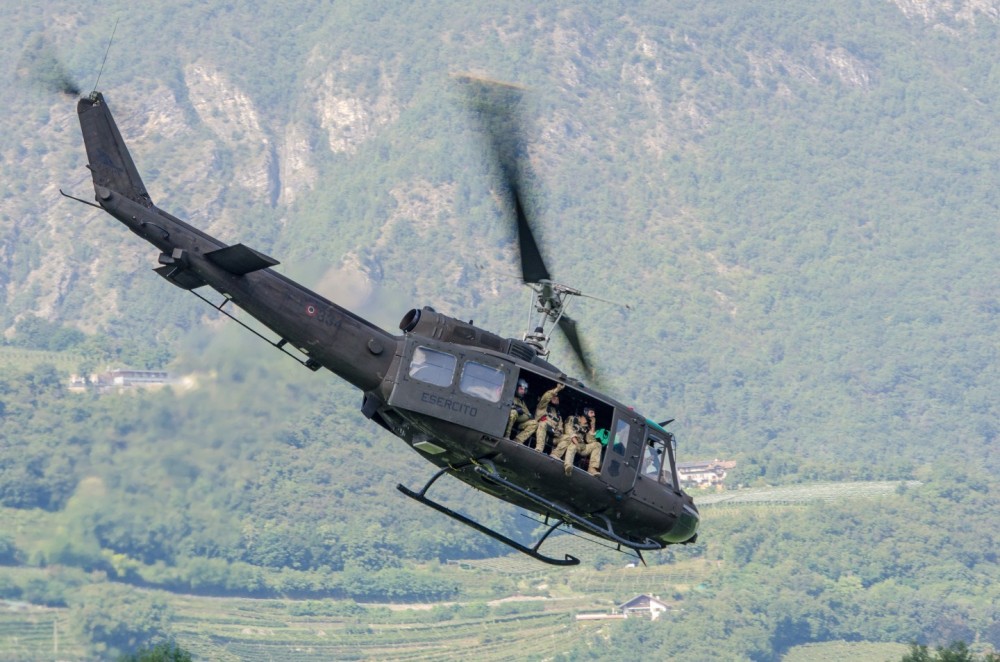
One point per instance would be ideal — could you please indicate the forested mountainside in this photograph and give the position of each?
(798, 202)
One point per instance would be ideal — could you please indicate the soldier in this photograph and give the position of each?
(579, 437)
(546, 418)
(593, 446)
(519, 413)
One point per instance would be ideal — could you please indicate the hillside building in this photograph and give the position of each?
(641, 606)
(120, 379)
(704, 473)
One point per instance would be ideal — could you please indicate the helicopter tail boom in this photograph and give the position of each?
(331, 336)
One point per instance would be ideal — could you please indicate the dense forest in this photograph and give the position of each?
(799, 203)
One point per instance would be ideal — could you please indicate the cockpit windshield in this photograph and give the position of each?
(656, 461)
(652, 459)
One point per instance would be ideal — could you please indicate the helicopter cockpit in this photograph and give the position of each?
(658, 456)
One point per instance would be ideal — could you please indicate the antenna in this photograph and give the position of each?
(106, 51)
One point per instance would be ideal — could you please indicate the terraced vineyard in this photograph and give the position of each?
(270, 632)
(836, 651)
(797, 494)
(29, 632)
(620, 584)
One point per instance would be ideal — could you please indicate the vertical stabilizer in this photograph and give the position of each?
(110, 163)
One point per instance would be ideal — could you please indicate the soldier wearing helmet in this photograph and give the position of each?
(519, 413)
(579, 437)
(546, 419)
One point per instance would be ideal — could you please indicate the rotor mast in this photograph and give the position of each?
(547, 304)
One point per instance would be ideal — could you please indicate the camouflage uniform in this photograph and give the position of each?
(518, 416)
(546, 418)
(578, 437)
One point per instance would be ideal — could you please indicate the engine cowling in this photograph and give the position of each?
(428, 322)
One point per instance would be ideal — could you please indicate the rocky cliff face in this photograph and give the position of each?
(201, 139)
(193, 149)
(950, 15)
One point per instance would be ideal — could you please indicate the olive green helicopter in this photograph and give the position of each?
(444, 386)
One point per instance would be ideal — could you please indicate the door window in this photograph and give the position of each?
(620, 441)
(618, 444)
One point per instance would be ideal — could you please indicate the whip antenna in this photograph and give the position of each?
(106, 51)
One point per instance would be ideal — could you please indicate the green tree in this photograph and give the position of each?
(957, 651)
(161, 652)
(117, 618)
(37, 333)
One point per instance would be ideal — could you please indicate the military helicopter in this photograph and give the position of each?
(444, 386)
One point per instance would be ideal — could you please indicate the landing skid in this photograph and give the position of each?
(530, 551)
(568, 516)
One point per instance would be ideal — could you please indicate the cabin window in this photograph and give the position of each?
(482, 381)
(432, 366)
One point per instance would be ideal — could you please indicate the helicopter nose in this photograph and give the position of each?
(685, 528)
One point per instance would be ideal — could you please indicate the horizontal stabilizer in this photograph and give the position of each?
(181, 277)
(239, 259)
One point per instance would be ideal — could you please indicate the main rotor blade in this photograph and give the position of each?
(568, 327)
(494, 105)
(532, 265)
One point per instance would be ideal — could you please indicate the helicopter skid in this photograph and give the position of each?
(530, 551)
(566, 515)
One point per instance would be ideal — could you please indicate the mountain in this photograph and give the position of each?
(798, 202)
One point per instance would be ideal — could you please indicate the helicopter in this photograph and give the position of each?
(444, 386)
